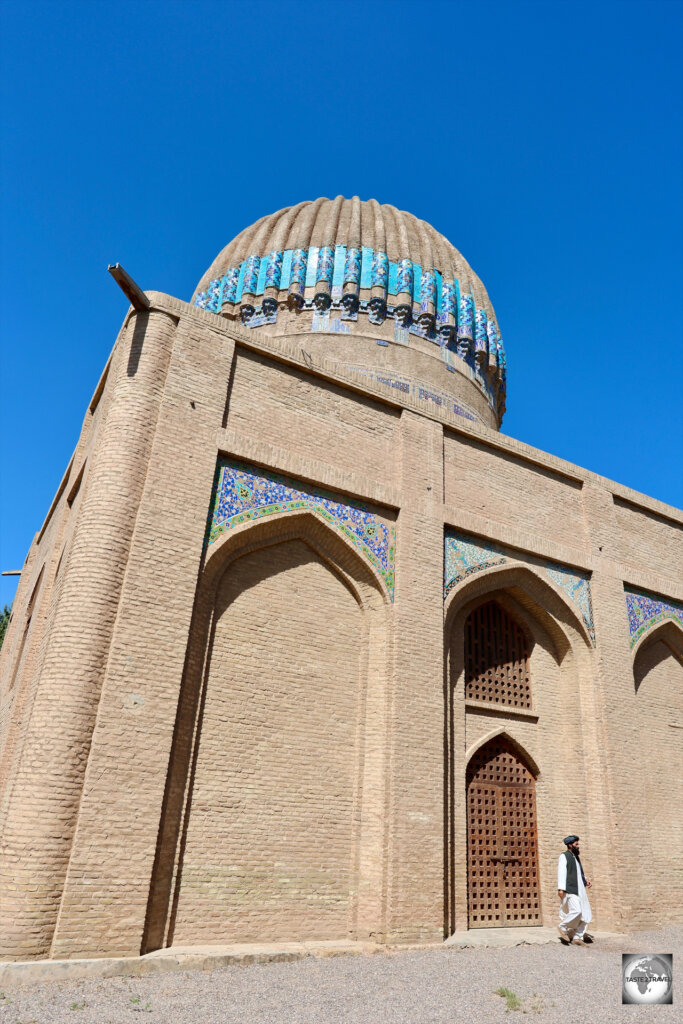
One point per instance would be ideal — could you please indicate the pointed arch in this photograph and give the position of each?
(505, 732)
(560, 660)
(668, 630)
(538, 594)
(503, 882)
(496, 650)
(669, 636)
(218, 588)
(305, 524)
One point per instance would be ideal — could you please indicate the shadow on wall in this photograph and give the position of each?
(664, 642)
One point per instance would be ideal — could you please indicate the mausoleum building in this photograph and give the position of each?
(307, 649)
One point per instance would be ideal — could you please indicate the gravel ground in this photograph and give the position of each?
(449, 986)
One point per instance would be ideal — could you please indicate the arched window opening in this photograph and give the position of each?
(496, 658)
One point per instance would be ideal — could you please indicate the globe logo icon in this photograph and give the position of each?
(647, 979)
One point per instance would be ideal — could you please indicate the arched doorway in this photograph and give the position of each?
(516, 651)
(502, 849)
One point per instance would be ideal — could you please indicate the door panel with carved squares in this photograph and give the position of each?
(502, 854)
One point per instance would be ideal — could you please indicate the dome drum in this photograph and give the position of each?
(410, 275)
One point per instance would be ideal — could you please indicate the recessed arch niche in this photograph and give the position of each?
(658, 682)
(546, 737)
(284, 689)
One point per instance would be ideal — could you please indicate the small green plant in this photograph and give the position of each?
(511, 1000)
(135, 999)
(78, 1006)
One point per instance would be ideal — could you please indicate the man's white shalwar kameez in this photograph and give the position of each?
(575, 910)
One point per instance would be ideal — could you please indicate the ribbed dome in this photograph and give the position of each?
(348, 266)
(355, 223)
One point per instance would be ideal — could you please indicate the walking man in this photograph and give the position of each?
(575, 910)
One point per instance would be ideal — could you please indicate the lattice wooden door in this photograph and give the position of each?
(502, 852)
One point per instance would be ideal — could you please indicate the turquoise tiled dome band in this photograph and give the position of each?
(329, 271)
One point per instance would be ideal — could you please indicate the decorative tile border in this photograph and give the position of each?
(464, 556)
(420, 300)
(646, 610)
(243, 493)
(577, 587)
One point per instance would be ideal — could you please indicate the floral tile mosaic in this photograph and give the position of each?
(464, 556)
(243, 493)
(576, 586)
(646, 610)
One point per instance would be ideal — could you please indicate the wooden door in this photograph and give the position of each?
(502, 854)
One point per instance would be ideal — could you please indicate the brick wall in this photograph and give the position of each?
(274, 813)
(323, 793)
(510, 491)
(315, 419)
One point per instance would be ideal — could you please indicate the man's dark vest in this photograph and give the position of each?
(572, 884)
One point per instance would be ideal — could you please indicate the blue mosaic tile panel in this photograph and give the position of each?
(438, 279)
(213, 296)
(645, 611)
(230, 285)
(298, 267)
(417, 281)
(352, 266)
(576, 585)
(480, 323)
(244, 493)
(288, 256)
(448, 298)
(273, 270)
(404, 277)
(261, 283)
(466, 318)
(366, 267)
(240, 279)
(428, 289)
(312, 266)
(325, 265)
(379, 274)
(481, 344)
(251, 270)
(339, 264)
(464, 556)
(492, 334)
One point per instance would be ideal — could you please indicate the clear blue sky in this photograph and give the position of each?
(543, 139)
